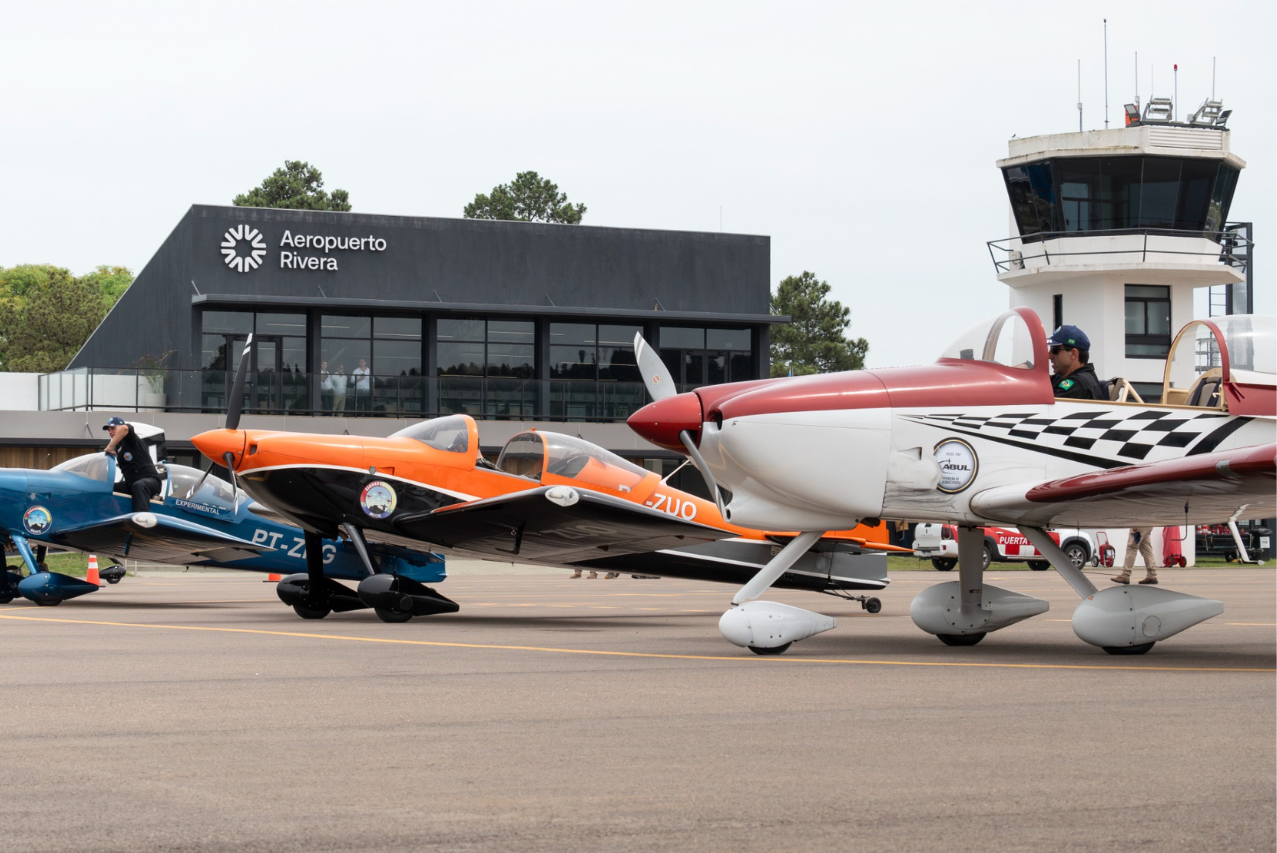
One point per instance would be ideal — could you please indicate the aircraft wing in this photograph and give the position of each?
(555, 525)
(1206, 488)
(156, 538)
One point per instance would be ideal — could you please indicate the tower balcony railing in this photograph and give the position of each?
(1014, 254)
(305, 394)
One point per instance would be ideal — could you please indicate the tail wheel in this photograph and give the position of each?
(873, 605)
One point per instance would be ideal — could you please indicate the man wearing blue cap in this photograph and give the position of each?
(1074, 376)
(141, 480)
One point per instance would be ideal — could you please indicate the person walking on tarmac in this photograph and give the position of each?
(1074, 376)
(1141, 537)
(141, 480)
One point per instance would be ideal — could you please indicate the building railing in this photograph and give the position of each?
(1234, 251)
(289, 393)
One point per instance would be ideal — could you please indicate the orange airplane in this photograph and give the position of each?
(550, 500)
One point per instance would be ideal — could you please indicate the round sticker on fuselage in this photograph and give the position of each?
(958, 465)
(37, 520)
(378, 499)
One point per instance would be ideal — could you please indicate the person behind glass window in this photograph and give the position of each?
(362, 377)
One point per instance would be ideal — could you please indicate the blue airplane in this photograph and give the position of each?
(196, 520)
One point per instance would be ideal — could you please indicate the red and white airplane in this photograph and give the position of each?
(977, 438)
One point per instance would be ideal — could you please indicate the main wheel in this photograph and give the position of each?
(1039, 565)
(1142, 648)
(944, 564)
(48, 602)
(1076, 552)
(775, 650)
(392, 616)
(961, 639)
(308, 612)
(873, 605)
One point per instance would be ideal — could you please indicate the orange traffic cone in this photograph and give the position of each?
(273, 578)
(91, 575)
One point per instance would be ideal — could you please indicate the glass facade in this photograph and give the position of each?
(1097, 194)
(415, 366)
(707, 356)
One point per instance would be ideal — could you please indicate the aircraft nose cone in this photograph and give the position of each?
(662, 421)
(216, 443)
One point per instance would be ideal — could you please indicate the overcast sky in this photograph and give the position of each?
(861, 137)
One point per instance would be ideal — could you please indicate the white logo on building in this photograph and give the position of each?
(256, 248)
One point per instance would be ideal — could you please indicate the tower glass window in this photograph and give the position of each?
(487, 367)
(1148, 321)
(593, 370)
(701, 356)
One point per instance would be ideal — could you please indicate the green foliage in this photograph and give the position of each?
(46, 314)
(530, 198)
(814, 341)
(297, 186)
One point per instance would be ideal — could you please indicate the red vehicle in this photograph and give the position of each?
(1001, 544)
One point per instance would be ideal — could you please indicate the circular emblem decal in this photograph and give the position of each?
(37, 520)
(958, 465)
(378, 499)
(255, 247)
(128, 457)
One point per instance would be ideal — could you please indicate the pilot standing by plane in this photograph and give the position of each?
(141, 480)
(1074, 377)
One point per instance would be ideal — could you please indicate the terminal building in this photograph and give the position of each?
(388, 318)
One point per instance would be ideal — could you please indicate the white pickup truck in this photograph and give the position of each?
(939, 542)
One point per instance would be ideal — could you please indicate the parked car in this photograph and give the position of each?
(939, 542)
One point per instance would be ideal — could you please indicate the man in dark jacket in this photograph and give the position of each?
(141, 480)
(1074, 376)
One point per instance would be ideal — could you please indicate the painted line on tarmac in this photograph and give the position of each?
(737, 659)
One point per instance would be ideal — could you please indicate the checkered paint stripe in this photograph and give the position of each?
(1144, 435)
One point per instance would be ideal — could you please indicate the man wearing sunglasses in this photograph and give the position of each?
(1074, 376)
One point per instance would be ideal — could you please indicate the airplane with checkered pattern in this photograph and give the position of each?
(977, 439)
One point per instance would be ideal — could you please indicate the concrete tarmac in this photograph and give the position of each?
(199, 714)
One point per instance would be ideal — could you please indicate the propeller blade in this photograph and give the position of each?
(229, 459)
(195, 488)
(236, 403)
(655, 375)
(700, 465)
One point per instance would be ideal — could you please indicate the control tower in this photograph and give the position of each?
(1114, 229)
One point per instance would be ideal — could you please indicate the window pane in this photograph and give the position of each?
(213, 352)
(731, 339)
(294, 355)
(717, 365)
(1194, 199)
(516, 360)
(460, 359)
(1159, 318)
(463, 329)
(572, 362)
(281, 324)
(511, 331)
(1221, 198)
(1032, 195)
(742, 368)
(1079, 179)
(343, 326)
(1148, 291)
(342, 354)
(677, 337)
(1160, 192)
(618, 336)
(1135, 318)
(573, 334)
(618, 364)
(398, 328)
(228, 322)
(1120, 192)
(396, 358)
